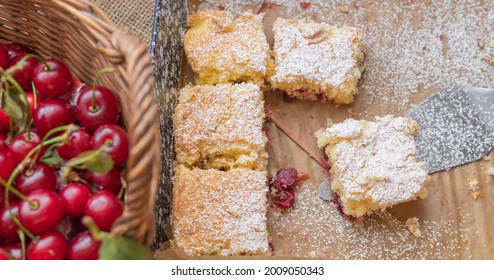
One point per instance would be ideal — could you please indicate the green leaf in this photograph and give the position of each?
(123, 248)
(16, 106)
(53, 160)
(96, 161)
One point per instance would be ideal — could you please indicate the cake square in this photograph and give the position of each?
(220, 212)
(315, 61)
(220, 127)
(374, 163)
(222, 50)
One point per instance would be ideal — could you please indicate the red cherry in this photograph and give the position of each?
(51, 114)
(104, 208)
(52, 78)
(83, 247)
(49, 246)
(46, 214)
(17, 49)
(8, 228)
(4, 255)
(14, 250)
(287, 177)
(2, 202)
(118, 142)
(287, 199)
(3, 142)
(30, 100)
(41, 176)
(76, 90)
(23, 144)
(4, 57)
(74, 197)
(24, 76)
(78, 143)
(4, 121)
(7, 166)
(109, 181)
(105, 111)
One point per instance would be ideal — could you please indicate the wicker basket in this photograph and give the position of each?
(78, 33)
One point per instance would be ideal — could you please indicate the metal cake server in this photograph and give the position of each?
(456, 127)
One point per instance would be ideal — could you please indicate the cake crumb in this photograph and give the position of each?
(491, 43)
(329, 122)
(414, 226)
(490, 171)
(351, 113)
(473, 186)
(345, 9)
(276, 215)
(487, 158)
(480, 43)
(464, 240)
(476, 195)
(312, 254)
(280, 234)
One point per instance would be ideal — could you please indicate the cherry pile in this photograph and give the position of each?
(61, 154)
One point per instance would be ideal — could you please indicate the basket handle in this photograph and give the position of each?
(137, 219)
(132, 61)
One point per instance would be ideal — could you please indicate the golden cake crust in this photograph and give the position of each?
(315, 61)
(220, 212)
(220, 127)
(221, 50)
(374, 164)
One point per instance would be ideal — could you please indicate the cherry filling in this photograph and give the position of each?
(287, 199)
(336, 200)
(325, 163)
(287, 97)
(284, 183)
(304, 5)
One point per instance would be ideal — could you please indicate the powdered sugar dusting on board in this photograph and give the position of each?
(315, 229)
(413, 48)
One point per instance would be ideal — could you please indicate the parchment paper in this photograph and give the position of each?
(413, 48)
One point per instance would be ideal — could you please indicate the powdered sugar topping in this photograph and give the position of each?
(381, 163)
(221, 213)
(315, 52)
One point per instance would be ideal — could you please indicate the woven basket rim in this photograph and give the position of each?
(135, 76)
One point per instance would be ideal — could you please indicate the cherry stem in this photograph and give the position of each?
(13, 190)
(20, 168)
(97, 234)
(94, 106)
(27, 161)
(19, 65)
(75, 162)
(22, 237)
(35, 96)
(68, 129)
(14, 218)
